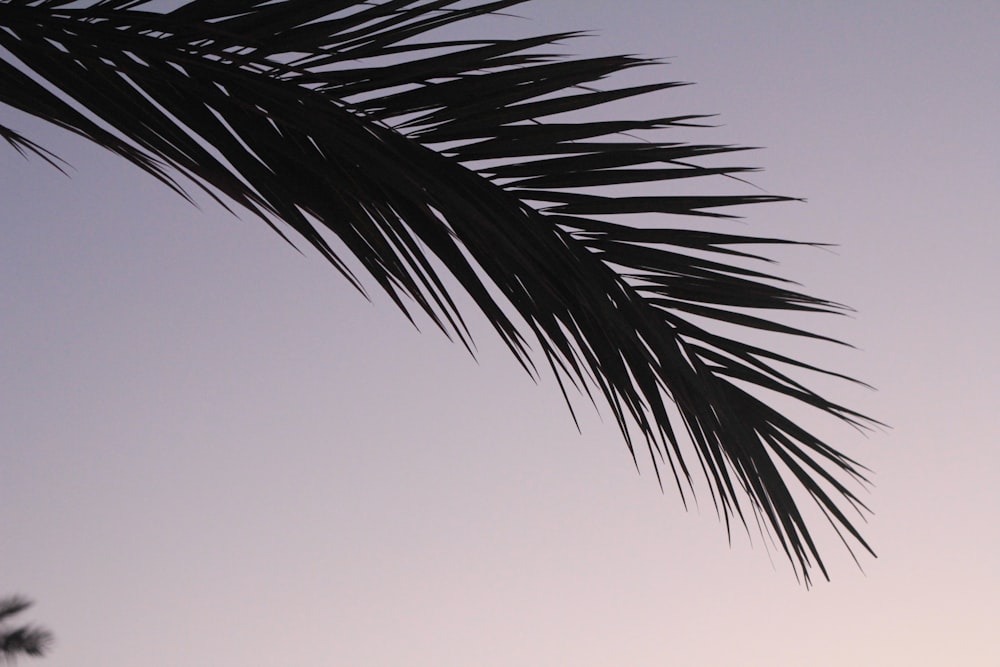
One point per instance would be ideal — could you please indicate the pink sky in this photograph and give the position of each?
(216, 453)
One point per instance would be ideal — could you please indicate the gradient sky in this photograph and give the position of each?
(215, 452)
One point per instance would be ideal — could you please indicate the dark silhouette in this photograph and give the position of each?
(24, 640)
(427, 156)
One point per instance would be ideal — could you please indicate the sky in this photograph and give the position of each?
(215, 452)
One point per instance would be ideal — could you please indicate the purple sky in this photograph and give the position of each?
(215, 452)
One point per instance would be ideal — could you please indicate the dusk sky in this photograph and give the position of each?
(216, 452)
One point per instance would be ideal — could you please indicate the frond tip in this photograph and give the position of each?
(27, 640)
(345, 119)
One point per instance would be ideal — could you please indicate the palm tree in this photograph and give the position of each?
(347, 125)
(25, 640)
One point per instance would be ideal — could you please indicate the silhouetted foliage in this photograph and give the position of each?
(21, 640)
(349, 126)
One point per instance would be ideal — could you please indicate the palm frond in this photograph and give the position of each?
(336, 118)
(24, 640)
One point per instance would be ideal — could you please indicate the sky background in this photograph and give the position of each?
(215, 452)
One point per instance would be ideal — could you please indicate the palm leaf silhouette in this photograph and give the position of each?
(27, 640)
(429, 158)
